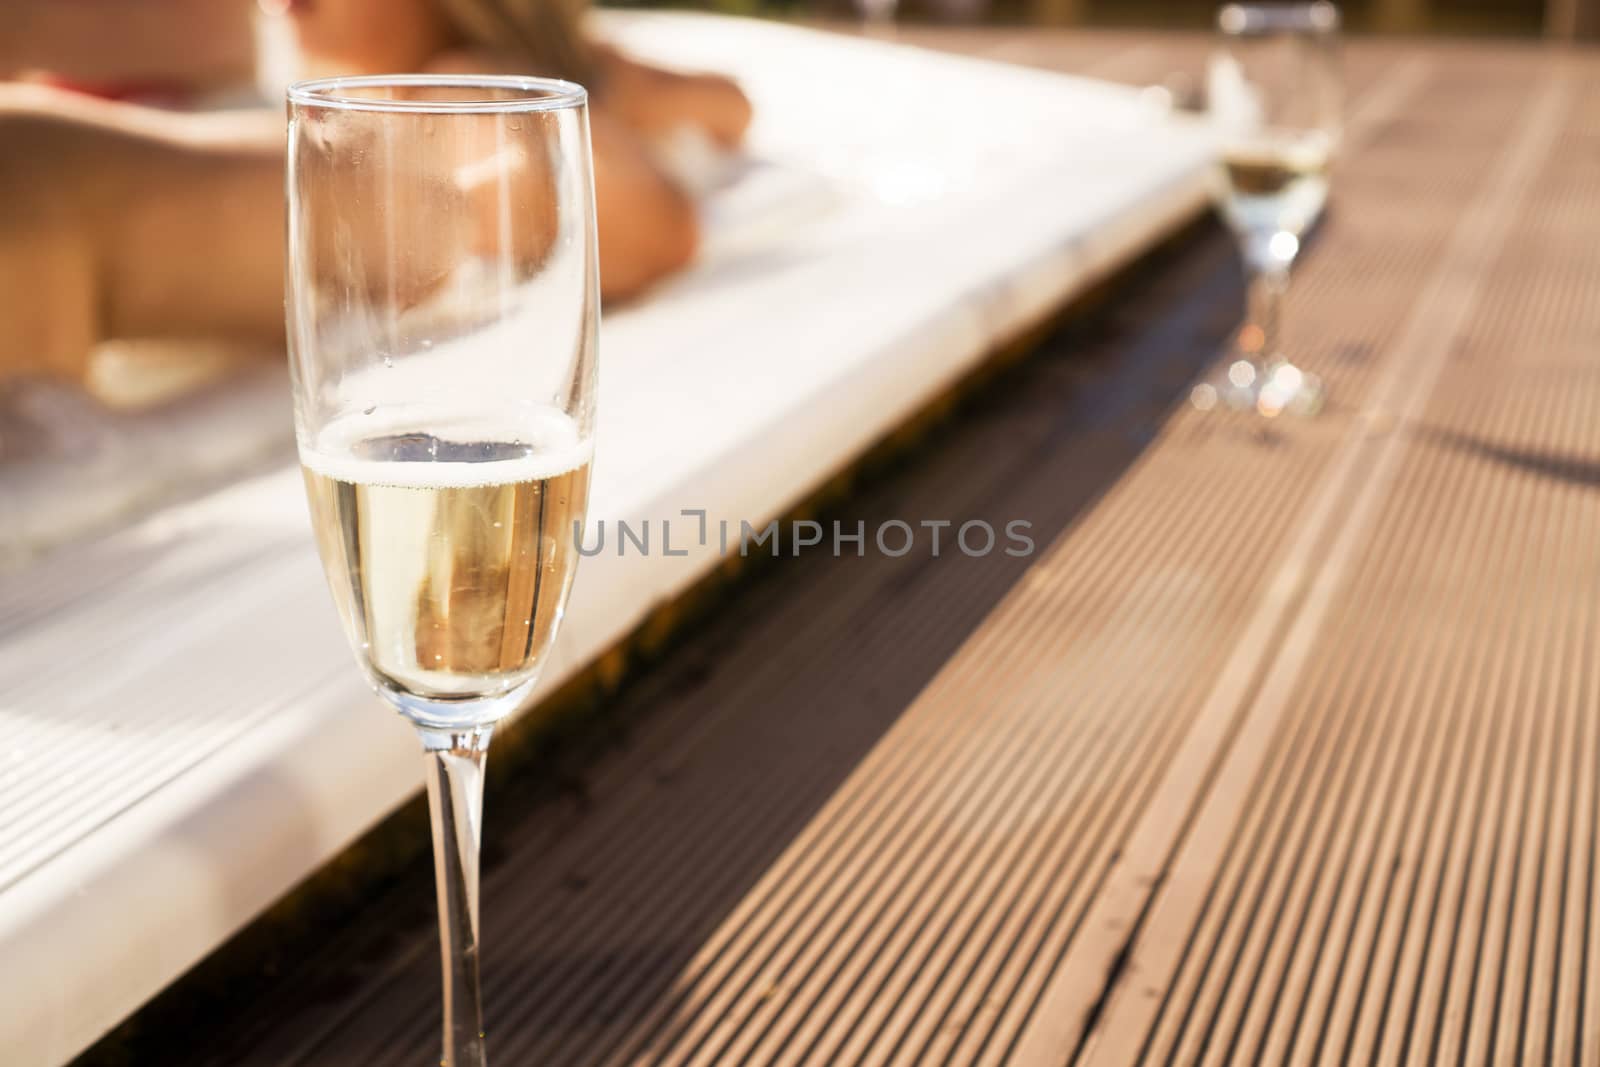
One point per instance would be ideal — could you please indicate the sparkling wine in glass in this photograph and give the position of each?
(442, 313)
(1273, 90)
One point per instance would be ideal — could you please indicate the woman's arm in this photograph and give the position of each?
(120, 221)
(655, 102)
(648, 227)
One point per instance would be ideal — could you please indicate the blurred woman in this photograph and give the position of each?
(119, 221)
(510, 37)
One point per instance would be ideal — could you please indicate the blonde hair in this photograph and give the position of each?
(548, 32)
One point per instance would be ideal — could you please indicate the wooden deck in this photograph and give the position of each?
(1284, 748)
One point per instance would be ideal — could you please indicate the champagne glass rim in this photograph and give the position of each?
(524, 93)
(1251, 19)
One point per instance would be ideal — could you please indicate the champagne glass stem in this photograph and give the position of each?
(455, 764)
(1268, 283)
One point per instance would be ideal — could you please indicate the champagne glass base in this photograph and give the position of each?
(443, 716)
(1269, 389)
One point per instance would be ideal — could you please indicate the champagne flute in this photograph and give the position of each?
(1273, 91)
(442, 313)
(877, 18)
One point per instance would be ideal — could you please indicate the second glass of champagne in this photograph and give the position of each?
(442, 312)
(1274, 94)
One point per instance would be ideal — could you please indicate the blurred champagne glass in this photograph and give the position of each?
(877, 17)
(1273, 90)
(442, 309)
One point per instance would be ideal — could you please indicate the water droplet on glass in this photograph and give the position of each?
(387, 362)
(427, 342)
(437, 656)
(514, 125)
(498, 525)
